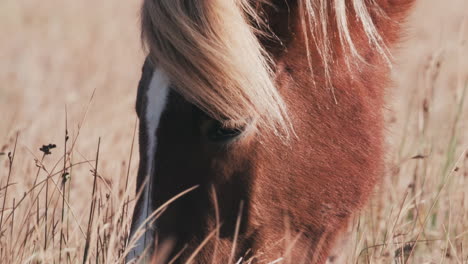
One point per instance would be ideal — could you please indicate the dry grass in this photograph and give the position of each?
(57, 55)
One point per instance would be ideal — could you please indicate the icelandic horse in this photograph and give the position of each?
(273, 109)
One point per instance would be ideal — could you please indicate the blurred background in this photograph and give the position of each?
(82, 60)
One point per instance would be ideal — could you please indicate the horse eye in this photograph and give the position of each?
(220, 133)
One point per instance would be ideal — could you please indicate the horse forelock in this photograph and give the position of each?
(213, 56)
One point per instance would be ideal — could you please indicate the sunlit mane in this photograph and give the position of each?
(211, 52)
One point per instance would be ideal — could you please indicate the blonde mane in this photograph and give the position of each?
(212, 54)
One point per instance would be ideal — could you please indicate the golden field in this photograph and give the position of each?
(74, 66)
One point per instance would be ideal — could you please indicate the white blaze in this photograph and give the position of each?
(156, 101)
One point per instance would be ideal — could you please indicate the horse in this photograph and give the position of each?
(261, 122)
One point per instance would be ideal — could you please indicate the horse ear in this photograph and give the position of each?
(396, 12)
(282, 16)
(278, 18)
(396, 9)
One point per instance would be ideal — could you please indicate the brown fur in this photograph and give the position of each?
(296, 197)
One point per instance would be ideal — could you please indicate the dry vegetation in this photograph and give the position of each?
(73, 66)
